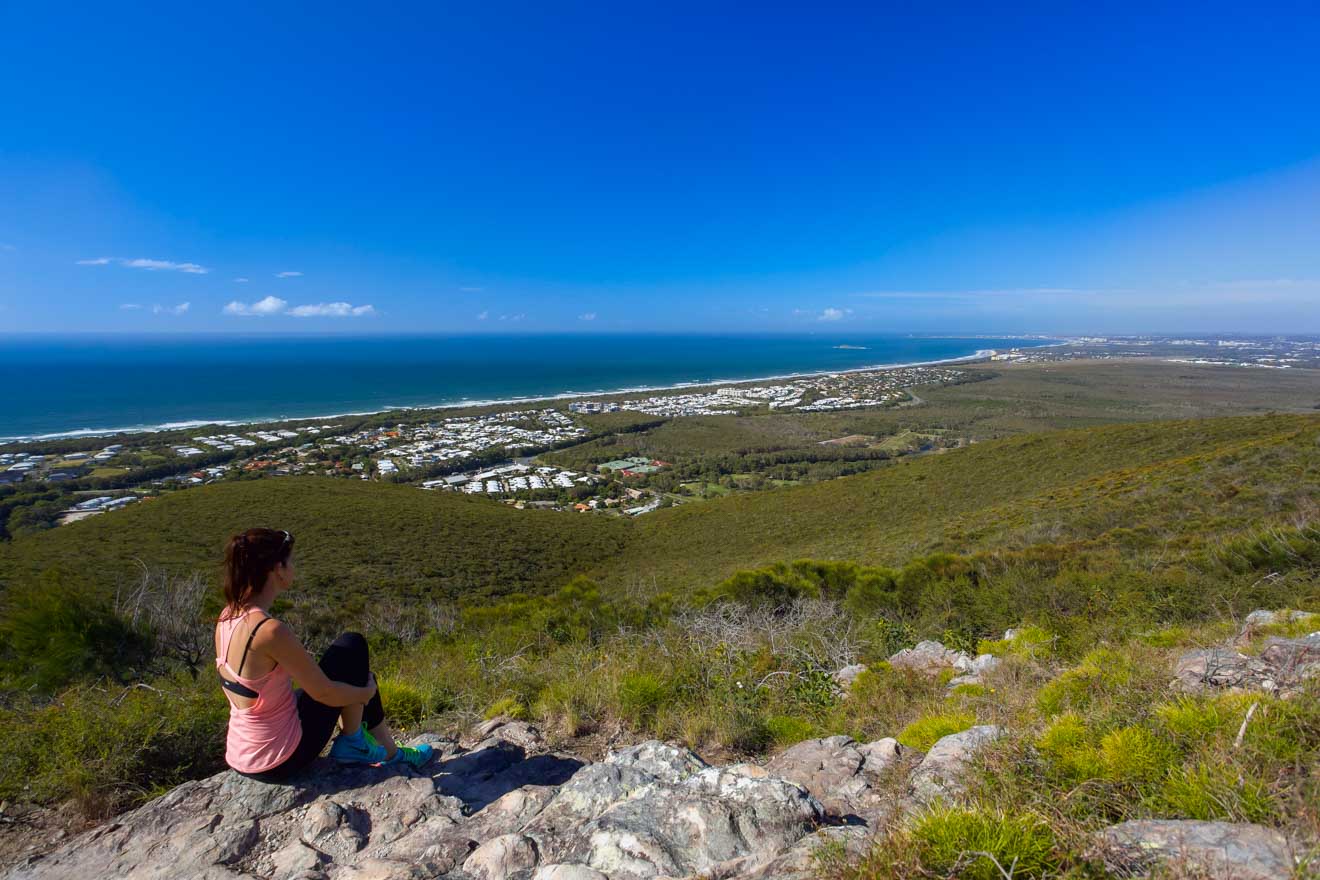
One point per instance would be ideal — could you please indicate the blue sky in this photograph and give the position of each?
(557, 167)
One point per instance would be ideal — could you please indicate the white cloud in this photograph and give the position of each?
(130, 307)
(288, 274)
(472, 289)
(481, 316)
(165, 265)
(148, 264)
(517, 317)
(587, 316)
(240, 281)
(332, 310)
(271, 305)
(832, 314)
(6, 246)
(180, 309)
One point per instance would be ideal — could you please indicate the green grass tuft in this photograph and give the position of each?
(962, 843)
(508, 707)
(786, 730)
(925, 732)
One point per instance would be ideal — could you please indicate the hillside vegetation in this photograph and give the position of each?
(1166, 488)
(1111, 549)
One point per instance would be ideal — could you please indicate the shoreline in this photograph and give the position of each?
(978, 355)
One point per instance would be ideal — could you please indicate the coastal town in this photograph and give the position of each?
(824, 393)
(499, 453)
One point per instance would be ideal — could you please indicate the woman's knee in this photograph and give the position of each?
(353, 641)
(346, 659)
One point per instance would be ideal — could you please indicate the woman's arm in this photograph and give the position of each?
(285, 649)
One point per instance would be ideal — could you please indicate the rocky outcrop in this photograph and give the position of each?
(1213, 849)
(976, 668)
(941, 774)
(1281, 667)
(847, 676)
(931, 657)
(503, 808)
(1261, 618)
(844, 775)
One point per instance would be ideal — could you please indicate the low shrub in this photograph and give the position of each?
(56, 632)
(640, 695)
(108, 750)
(1134, 755)
(925, 732)
(403, 703)
(985, 845)
(1101, 672)
(1068, 747)
(508, 707)
(1210, 791)
(786, 730)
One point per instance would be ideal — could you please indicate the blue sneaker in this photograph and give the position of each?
(357, 749)
(413, 756)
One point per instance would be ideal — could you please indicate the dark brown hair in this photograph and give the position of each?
(249, 557)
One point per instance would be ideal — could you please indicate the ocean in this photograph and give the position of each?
(70, 385)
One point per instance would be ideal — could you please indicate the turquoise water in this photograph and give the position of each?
(64, 385)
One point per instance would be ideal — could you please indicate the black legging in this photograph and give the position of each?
(345, 660)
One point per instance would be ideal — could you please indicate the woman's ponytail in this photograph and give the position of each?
(249, 559)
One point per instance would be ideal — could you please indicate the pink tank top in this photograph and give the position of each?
(264, 734)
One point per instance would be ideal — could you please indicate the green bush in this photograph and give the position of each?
(640, 695)
(108, 750)
(1210, 791)
(773, 587)
(961, 842)
(1067, 746)
(786, 730)
(1279, 731)
(1031, 641)
(55, 632)
(508, 707)
(925, 732)
(403, 703)
(1101, 672)
(1134, 755)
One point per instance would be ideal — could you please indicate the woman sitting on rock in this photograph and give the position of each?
(275, 731)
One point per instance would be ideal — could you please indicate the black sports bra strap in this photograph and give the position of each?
(248, 646)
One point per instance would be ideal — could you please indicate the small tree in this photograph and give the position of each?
(168, 609)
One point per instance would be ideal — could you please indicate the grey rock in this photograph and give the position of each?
(976, 669)
(942, 771)
(1281, 667)
(1221, 849)
(661, 760)
(567, 872)
(801, 861)
(485, 813)
(931, 657)
(847, 676)
(719, 815)
(502, 857)
(589, 793)
(839, 772)
(517, 733)
(1262, 617)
